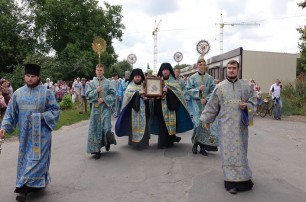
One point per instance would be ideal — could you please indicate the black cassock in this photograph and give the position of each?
(164, 139)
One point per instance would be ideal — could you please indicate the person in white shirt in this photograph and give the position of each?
(259, 98)
(76, 89)
(275, 92)
(48, 83)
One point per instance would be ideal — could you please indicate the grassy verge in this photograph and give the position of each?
(67, 117)
(294, 98)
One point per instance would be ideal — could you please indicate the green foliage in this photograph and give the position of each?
(76, 62)
(180, 66)
(58, 35)
(16, 40)
(301, 66)
(16, 77)
(119, 67)
(66, 102)
(294, 98)
(69, 27)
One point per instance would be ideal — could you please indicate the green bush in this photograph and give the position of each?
(294, 98)
(66, 102)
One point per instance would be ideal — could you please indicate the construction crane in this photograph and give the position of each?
(221, 24)
(154, 33)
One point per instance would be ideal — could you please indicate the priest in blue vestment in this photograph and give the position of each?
(102, 94)
(232, 103)
(35, 110)
(200, 87)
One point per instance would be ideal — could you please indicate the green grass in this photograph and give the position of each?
(294, 98)
(71, 116)
(67, 117)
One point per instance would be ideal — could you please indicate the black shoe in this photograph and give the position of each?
(195, 148)
(21, 197)
(177, 139)
(233, 191)
(203, 152)
(107, 147)
(97, 155)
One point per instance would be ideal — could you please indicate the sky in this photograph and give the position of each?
(185, 22)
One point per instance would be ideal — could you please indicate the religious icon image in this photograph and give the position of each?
(153, 86)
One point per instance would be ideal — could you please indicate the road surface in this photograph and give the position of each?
(277, 157)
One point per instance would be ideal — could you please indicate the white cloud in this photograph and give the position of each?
(186, 22)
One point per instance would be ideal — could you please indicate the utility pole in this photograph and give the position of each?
(221, 24)
(154, 33)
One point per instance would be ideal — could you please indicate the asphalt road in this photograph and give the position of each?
(277, 157)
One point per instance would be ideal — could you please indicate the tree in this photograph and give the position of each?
(180, 66)
(120, 68)
(69, 27)
(57, 34)
(302, 45)
(16, 39)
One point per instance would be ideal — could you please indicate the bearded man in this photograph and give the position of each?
(232, 103)
(35, 110)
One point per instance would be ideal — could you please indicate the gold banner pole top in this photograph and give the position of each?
(99, 46)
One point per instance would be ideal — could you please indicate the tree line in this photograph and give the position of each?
(58, 35)
(301, 63)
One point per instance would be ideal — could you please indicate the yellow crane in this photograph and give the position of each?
(222, 24)
(154, 33)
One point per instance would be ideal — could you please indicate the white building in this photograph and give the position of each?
(263, 67)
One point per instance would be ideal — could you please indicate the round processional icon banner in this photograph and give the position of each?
(178, 56)
(131, 58)
(203, 47)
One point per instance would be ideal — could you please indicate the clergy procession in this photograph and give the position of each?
(94, 105)
(150, 105)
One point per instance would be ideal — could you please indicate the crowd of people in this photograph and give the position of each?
(218, 112)
(6, 92)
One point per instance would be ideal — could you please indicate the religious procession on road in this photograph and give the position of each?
(148, 105)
